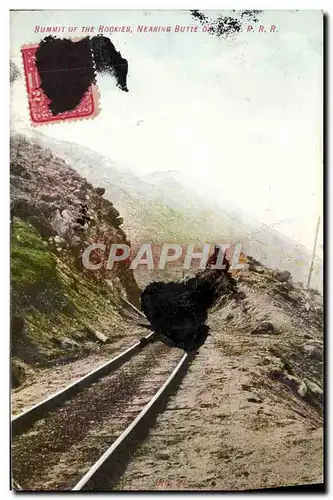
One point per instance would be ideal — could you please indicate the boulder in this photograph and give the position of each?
(113, 213)
(266, 360)
(100, 191)
(266, 327)
(240, 295)
(42, 225)
(230, 316)
(74, 241)
(302, 389)
(21, 207)
(295, 383)
(254, 399)
(119, 221)
(97, 335)
(18, 373)
(66, 342)
(49, 196)
(45, 154)
(282, 276)
(59, 241)
(60, 225)
(285, 286)
(253, 261)
(314, 352)
(258, 269)
(66, 214)
(313, 387)
(78, 227)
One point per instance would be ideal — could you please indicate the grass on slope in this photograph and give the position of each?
(52, 303)
(32, 264)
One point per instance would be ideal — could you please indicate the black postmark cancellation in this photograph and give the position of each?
(67, 68)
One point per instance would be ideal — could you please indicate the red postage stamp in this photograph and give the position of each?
(40, 111)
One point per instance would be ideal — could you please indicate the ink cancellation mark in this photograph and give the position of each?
(39, 103)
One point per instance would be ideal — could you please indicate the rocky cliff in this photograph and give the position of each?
(59, 309)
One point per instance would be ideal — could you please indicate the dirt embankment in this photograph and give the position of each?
(59, 310)
(249, 412)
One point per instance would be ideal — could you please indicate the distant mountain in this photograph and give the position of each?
(168, 206)
(150, 211)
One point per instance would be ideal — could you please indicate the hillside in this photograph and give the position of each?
(249, 414)
(59, 310)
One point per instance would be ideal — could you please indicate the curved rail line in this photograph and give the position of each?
(106, 471)
(101, 475)
(21, 422)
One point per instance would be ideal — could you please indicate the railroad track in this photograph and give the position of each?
(81, 437)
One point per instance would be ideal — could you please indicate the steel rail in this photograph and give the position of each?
(134, 308)
(25, 419)
(107, 464)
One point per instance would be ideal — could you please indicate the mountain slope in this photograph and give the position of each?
(58, 307)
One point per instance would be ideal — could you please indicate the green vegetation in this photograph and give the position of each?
(32, 264)
(159, 223)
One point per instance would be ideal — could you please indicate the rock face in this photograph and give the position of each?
(55, 215)
(63, 206)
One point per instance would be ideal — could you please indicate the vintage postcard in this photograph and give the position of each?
(166, 215)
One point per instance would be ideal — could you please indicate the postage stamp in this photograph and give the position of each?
(40, 111)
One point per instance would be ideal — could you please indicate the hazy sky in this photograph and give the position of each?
(243, 115)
